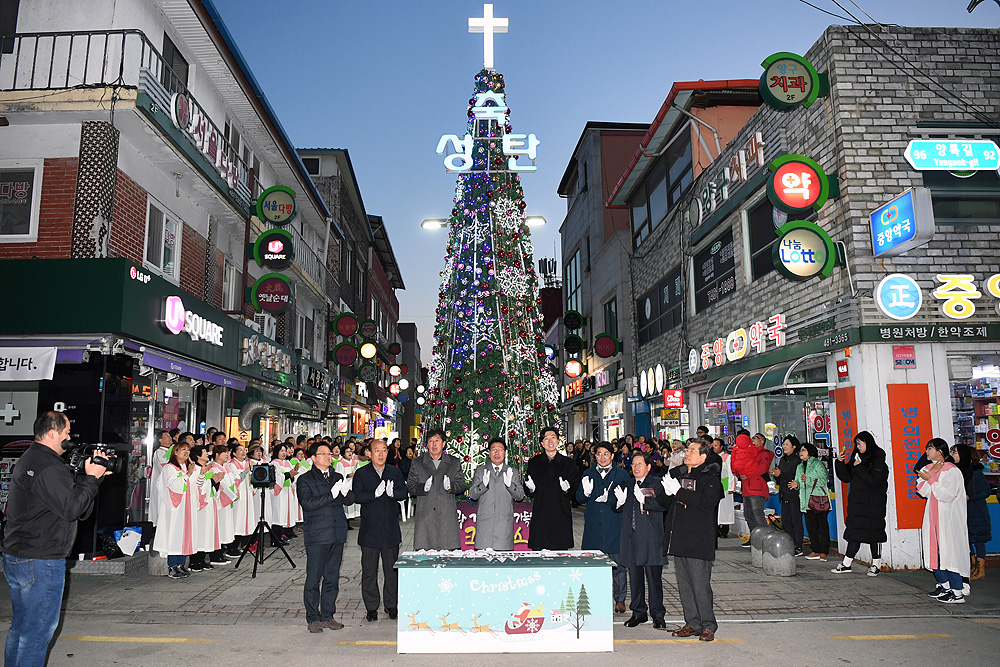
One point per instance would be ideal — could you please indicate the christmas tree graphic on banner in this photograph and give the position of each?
(489, 376)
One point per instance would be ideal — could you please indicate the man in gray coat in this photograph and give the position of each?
(496, 486)
(436, 478)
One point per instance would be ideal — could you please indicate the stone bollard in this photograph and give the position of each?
(157, 564)
(756, 540)
(779, 554)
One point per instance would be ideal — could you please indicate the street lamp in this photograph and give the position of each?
(534, 221)
(433, 223)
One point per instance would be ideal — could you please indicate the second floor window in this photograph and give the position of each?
(175, 74)
(611, 317)
(162, 244)
(573, 297)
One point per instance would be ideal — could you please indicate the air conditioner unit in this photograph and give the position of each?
(252, 324)
(267, 324)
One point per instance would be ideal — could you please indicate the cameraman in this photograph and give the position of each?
(43, 506)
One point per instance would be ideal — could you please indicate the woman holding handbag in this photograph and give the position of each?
(814, 499)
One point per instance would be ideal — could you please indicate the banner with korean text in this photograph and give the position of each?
(847, 428)
(27, 363)
(910, 428)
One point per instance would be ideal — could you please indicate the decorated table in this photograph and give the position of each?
(504, 602)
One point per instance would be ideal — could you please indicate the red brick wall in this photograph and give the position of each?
(55, 215)
(128, 220)
(192, 261)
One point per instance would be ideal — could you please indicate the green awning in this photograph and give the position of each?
(803, 373)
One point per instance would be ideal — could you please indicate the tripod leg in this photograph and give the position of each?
(280, 546)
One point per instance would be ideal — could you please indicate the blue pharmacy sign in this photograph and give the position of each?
(898, 296)
(902, 224)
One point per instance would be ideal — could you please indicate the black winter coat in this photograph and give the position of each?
(692, 518)
(379, 526)
(867, 495)
(978, 490)
(323, 519)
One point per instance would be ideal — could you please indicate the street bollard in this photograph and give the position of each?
(756, 539)
(779, 554)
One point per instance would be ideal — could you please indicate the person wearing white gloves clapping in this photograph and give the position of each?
(550, 481)
(322, 493)
(378, 488)
(602, 520)
(496, 486)
(435, 479)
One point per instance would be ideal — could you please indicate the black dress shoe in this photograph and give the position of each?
(659, 624)
(393, 614)
(636, 620)
(371, 616)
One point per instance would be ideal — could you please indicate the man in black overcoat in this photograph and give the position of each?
(378, 488)
(642, 504)
(550, 481)
(322, 495)
(695, 489)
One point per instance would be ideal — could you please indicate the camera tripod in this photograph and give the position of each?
(263, 528)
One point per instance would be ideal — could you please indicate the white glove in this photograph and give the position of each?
(637, 492)
(380, 489)
(564, 485)
(603, 498)
(588, 486)
(670, 485)
(335, 491)
(389, 486)
(620, 496)
(530, 483)
(427, 484)
(486, 477)
(447, 483)
(345, 486)
(508, 476)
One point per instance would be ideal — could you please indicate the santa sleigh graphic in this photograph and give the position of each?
(527, 621)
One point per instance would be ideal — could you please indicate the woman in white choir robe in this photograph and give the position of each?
(244, 518)
(225, 493)
(283, 508)
(176, 516)
(206, 518)
(348, 465)
(304, 463)
(945, 530)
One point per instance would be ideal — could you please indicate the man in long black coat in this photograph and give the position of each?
(642, 504)
(378, 488)
(696, 490)
(550, 481)
(322, 495)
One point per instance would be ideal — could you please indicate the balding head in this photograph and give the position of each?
(378, 451)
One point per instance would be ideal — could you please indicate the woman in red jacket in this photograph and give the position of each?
(750, 462)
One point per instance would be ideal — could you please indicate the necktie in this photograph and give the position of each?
(326, 474)
(496, 469)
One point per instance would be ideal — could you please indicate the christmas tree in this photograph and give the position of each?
(489, 376)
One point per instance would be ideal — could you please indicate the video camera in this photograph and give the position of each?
(101, 454)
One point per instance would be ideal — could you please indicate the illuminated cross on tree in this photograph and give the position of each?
(488, 25)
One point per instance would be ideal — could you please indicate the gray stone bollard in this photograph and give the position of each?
(756, 540)
(157, 564)
(779, 554)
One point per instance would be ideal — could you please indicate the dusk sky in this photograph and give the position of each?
(385, 79)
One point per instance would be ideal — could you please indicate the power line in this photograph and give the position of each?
(820, 9)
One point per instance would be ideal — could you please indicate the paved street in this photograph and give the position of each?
(144, 620)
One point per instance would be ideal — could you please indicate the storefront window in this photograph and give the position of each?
(975, 386)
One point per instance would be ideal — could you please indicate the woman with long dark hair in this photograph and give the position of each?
(945, 531)
(864, 468)
(784, 476)
(810, 480)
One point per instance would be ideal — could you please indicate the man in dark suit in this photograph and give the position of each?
(378, 488)
(322, 495)
(642, 505)
(550, 481)
(696, 490)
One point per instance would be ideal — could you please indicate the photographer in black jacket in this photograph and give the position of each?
(43, 506)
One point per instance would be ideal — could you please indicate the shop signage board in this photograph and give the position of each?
(789, 80)
(274, 249)
(904, 357)
(606, 345)
(177, 320)
(910, 428)
(798, 184)
(263, 358)
(191, 370)
(271, 293)
(715, 271)
(902, 224)
(673, 398)
(842, 371)
(346, 324)
(27, 363)
(737, 344)
(729, 179)
(16, 194)
(899, 296)
(952, 155)
(846, 413)
(276, 205)
(313, 378)
(369, 329)
(803, 250)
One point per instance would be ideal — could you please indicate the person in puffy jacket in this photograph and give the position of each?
(750, 462)
(977, 490)
(865, 470)
(811, 478)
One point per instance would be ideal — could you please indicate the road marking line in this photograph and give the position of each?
(141, 640)
(367, 642)
(693, 640)
(879, 637)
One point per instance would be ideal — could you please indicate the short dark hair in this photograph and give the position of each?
(218, 434)
(197, 451)
(792, 439)
(813, 452)
(50, 421)
(715, 440)
(761, 436)
(435, 431)
(743, 431)
(316, 445)
(702, 428)
(704, 448)
(941, 445)
(646, 456)
(174, 432)
(546, 429)
(185, 434)
(604, 444)
(496, 439)
(219, 449)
